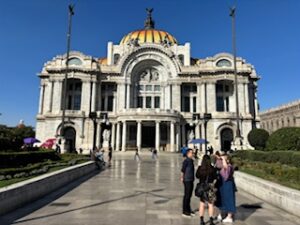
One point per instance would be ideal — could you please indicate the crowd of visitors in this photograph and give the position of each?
(216, 187)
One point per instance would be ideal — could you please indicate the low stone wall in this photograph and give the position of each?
(287, 199)
(17, 195)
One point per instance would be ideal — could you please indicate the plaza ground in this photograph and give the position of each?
(148, 192)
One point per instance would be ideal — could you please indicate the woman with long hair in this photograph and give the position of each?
(207, 176)
(227, 189)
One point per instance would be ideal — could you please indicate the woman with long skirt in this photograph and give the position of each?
(227, 190)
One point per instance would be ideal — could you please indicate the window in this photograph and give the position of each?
(132, 132)
(223, 63)
(77, 102)
(110, 101)
(156, 87)
(75, 61)
(186, 106)
(140, 102)
(194, 104)
(148, 88)
(116, 58)
(220, 104)
(156, 102)
(103, 104)
(141, 87)
(148, 102)
(181, 59)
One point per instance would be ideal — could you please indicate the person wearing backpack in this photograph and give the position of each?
(205, 189)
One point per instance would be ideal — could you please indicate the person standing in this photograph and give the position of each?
(187, 178)
(227, 190)
(207, 176)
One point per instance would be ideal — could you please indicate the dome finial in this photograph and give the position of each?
(149, 23)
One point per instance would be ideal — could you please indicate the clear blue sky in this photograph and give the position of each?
(34, 31)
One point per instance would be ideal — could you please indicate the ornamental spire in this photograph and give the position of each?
(149, 23)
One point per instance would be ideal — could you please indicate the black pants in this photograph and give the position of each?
(188, 191)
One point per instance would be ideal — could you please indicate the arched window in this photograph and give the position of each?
(75, 61)
(223, 63)
(116, 58)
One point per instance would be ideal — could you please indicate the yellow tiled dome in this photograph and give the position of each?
(149, 36)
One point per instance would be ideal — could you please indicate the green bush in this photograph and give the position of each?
(290, 158)
(21, 159)
(285, 139)
(258, 138)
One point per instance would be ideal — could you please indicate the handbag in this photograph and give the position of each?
(202, 188)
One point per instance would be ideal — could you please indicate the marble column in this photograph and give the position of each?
(113, 135)
(124, 136)
(127, 96)
(157, 135)
(211, 97)
(197, 130)
(118, 137)
(58, 95)
(203, 98)
(178, 137)
(41, 101)
(172, 136)
(94, 95)
(246, 94)
(50, 96)
(198, 99)
(85, 96)
(99, 134)
(176, 97)
(139, 135)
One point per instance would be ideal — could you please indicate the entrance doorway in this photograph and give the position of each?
(148, 136)
(70, 136)
(226, 139)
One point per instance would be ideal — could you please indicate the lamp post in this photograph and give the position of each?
(238, 131)
(206, 118)
(71, 13)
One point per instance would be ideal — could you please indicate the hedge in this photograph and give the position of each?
(290, 158)
(287, 138)
(21, 159)
(258, 138)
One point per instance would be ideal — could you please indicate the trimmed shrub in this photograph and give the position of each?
(290, 158)
(21, 159)
(287, 138)
(258, 138)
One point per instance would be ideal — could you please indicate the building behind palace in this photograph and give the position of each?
(287, 115)
(148, 92)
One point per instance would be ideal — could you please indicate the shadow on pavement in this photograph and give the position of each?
(244, 211)
(11, 217)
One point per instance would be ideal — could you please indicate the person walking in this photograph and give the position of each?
(137, 156)
(207, 176)
(155, 156)
(227, 190)
(109, 156)
(187, 178)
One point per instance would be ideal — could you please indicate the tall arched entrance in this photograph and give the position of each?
(70, 139)
(226, 139)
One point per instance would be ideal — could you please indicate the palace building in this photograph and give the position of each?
(147, 92)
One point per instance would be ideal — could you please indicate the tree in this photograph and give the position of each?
(258, 138)
(287, 138)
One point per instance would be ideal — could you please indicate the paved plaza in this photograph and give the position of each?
(130, 193)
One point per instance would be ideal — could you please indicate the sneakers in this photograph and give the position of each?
(192, 214)
(227, 220)
(219, 217)
(185, 215)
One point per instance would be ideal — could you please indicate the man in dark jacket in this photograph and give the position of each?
(187, 177)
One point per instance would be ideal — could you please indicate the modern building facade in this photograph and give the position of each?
(148, 92)
(287, 115)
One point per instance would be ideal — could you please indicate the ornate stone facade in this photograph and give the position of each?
(149, 93)
(287, 115)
